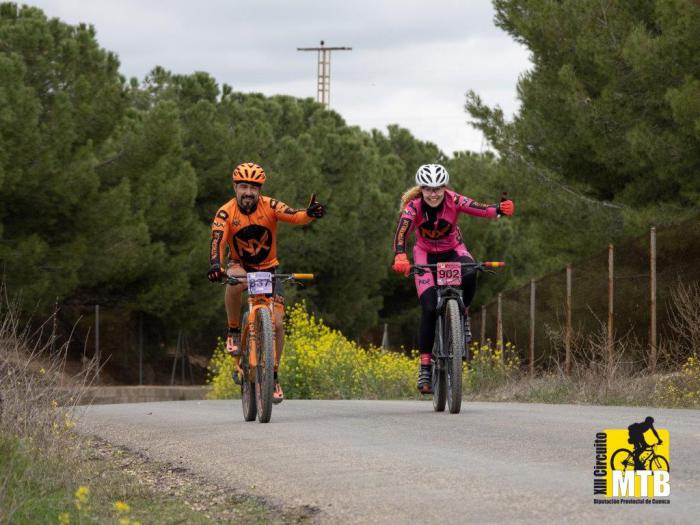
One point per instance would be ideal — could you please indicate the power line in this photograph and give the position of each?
(323, 82)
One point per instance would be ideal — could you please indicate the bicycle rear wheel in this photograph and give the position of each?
(265, 371)
(247, 387)
(622, 459)
(454, 337)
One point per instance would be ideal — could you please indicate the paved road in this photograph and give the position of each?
(399, 462)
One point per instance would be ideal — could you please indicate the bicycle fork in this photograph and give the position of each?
(250, 335)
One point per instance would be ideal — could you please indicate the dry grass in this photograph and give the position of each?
(623, 378)
(36, 414)
(37, 398)
(51, 474)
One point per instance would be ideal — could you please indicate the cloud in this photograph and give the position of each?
(412, 61)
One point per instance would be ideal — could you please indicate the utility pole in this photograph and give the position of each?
(323, 83)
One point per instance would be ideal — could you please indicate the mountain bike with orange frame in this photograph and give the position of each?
(258, 341)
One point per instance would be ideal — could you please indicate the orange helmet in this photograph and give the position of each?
(249, 172)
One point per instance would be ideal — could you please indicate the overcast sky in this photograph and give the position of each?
(411, 61)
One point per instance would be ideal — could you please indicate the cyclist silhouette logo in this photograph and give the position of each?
(632, 464)
(643, 455)
(636, 438)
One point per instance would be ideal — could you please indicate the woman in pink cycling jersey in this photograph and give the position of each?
(431, 210)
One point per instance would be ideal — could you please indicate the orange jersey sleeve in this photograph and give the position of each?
(219, 233)
(286, 214)
(251, 237)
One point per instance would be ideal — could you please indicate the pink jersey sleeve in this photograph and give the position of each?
(471, 207)
(407, 222)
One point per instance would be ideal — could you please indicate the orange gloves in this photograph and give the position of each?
(506, 207)
(401, 264)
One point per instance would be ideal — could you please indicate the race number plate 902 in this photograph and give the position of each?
(449, 274)
(259, 283)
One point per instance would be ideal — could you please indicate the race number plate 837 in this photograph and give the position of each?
(259, 283)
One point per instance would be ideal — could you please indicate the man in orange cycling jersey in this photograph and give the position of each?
(247, 225)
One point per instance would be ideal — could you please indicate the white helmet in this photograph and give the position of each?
(432, 176)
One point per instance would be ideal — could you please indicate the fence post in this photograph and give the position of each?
(140, 348)
(482, 340)
(652, 301)
(611, 273)
(183, 353)
(567, 337)
(499, 326)
(97, 342)
(385, 337)
(532, 327)
(177, 354)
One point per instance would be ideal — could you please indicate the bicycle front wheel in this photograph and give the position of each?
(247, 387)
(265, 371)
(659, 463)
(454, 337)
(439, 384)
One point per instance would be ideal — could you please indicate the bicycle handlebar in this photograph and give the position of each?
(303, 276)
(233, 280)
(420, 269)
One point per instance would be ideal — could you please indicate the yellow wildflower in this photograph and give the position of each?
(81, 496)
(63, 518)
(121, 506)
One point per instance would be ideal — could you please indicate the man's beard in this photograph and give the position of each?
(247, 204)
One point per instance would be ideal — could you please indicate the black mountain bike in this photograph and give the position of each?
(623, 459)
(449, 348)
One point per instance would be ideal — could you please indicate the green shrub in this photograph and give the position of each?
(490, 367)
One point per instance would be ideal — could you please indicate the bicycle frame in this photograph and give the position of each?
(445, 293)
(255, 303)
(648, 455)
(448, 347)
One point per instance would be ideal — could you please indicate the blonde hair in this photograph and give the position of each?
(409, 195)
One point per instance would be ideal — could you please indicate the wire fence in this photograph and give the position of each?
(130, 348)
(611, 298)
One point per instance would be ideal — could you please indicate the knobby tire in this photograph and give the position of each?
(454, 338)
(264, 372)
(250, 408)
(438, 379)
